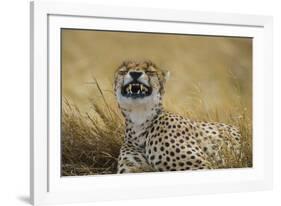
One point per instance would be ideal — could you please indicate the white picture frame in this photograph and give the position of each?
(47, 186)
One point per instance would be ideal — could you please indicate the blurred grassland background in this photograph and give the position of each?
(210, 80)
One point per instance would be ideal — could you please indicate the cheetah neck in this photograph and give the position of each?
(137, 123)
(140, 112)
(141, 117)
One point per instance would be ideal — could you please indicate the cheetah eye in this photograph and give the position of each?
(150, 72)
(122, 72)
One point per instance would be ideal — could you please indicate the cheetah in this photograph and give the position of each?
(155, 139)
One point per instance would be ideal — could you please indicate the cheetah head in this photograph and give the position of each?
(139, 85)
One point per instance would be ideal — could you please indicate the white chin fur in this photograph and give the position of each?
(140, 109)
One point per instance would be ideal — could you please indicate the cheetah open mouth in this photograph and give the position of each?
(136, 90)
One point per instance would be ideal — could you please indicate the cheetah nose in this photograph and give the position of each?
(135, 75)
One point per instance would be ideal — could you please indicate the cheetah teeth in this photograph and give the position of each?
(142, 89)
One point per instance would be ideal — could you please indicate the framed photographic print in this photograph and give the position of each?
(127, 105)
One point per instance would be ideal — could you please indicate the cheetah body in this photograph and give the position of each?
(157, 140)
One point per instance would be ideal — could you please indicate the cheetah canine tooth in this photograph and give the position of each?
(129, 89)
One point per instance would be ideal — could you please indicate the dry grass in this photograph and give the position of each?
(91, 141)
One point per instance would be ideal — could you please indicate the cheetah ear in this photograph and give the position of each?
(166, 75)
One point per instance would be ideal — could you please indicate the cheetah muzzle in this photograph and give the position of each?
(157, 140)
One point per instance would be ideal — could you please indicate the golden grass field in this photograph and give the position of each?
(211, 80)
